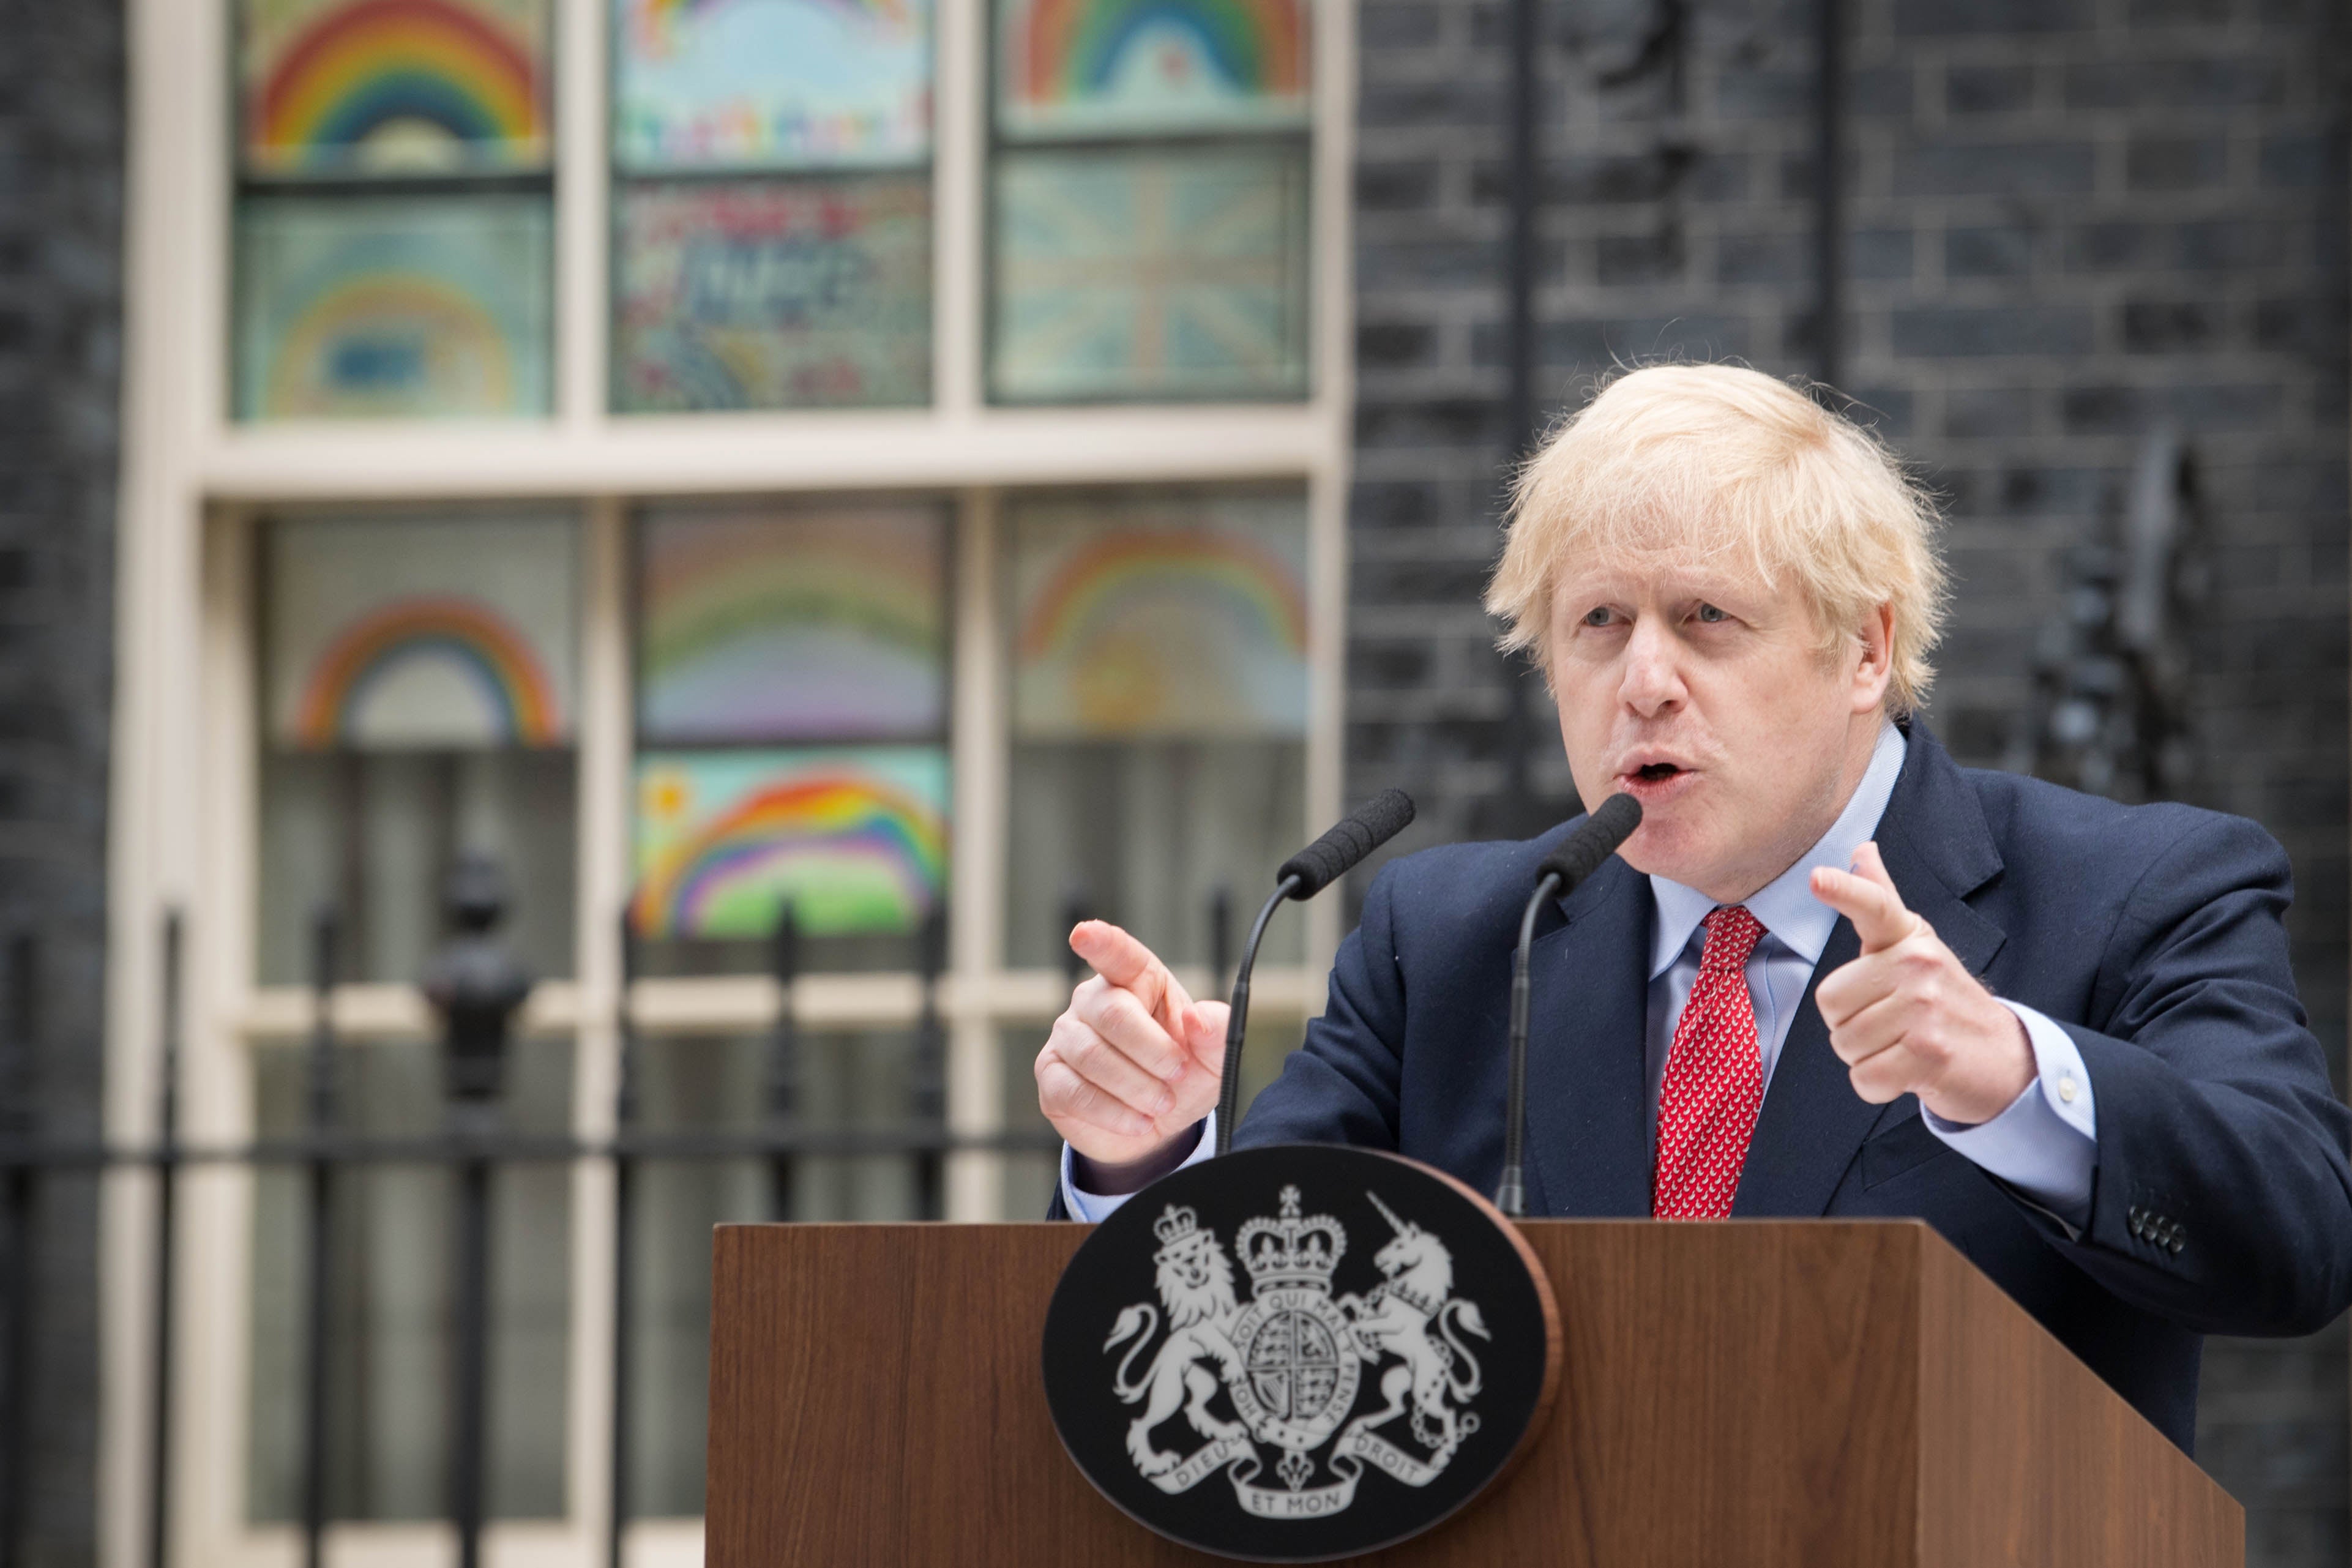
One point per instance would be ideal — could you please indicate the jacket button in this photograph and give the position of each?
(2179, 1238)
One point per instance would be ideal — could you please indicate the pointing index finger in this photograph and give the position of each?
(1867, 896)
(1118, 957)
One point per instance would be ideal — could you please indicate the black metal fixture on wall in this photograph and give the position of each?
(1516, 812)
(21, 1025)
(1829, 195)
(2111, 712)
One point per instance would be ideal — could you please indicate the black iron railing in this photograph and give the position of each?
(476, 998)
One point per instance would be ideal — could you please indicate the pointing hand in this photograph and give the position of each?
(1134, 1062)
(1906, 1017)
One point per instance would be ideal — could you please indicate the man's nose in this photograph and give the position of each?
(1653, 679)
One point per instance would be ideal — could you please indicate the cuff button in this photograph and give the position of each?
(2066, 1088)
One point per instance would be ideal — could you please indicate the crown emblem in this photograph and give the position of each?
(1291, 1253)
(1178, 1229)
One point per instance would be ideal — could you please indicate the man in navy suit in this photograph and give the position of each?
(1833, 972)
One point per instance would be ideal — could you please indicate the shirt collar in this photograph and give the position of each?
(1786, 907)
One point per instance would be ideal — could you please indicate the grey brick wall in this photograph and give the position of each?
(2065, 220)
(61, 173)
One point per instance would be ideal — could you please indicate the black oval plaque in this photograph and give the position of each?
(1299, 1353)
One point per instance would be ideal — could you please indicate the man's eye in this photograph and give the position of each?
(1599, 617)
(1710, 614)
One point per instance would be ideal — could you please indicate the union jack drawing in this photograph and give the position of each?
(1152, 275)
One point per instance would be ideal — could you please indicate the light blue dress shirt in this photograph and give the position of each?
(2045, 1143)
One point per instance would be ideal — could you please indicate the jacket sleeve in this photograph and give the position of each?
(1341, 1085)
(2222, 1199)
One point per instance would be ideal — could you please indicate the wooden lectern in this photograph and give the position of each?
(1800, 1393)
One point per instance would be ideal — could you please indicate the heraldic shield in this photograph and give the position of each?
(1299, 1353)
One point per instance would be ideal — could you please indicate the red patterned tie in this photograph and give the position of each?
(1715, 1080)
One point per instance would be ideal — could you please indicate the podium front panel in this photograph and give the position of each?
(1805, 1394)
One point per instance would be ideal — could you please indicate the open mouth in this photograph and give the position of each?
(1655, 782)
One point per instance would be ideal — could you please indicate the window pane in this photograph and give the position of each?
(824, 625)
(375, 834)
(419, 682)
(811, 625)
(1164, 274)
(392, 307)
(772, 294)
(1148, 834)
(844, 1081)
(856, 839)
(1158, 670)
(1181, 617)
(400, 634)
(1105, 68)
(343, 87)
(778, 84)
(394, 1240)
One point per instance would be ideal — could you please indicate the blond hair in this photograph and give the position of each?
(1722, 457)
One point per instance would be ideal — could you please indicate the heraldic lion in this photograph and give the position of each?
(1196, 1291)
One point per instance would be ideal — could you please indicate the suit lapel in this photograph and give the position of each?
(1938, 849)
(1588, 1089)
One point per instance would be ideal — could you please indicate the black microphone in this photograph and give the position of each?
(1562, 870)
(1302, 875)
(1351, 838)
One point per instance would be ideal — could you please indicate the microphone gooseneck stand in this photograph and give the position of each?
(1229, 1089)
(1561, 874)
(1301, 876)
(1510, 1193)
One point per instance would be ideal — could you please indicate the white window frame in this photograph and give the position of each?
(182, 789)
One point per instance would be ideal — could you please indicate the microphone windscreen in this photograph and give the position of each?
(1581, 853)
(1351, 838)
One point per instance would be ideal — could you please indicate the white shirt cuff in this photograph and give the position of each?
(2046, 1144)
(1093, 1207)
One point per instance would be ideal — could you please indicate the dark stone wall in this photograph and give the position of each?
(62, 147)
(2063, 222)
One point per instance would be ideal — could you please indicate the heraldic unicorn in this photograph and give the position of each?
(1292, 1363)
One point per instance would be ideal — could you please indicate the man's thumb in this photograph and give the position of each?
(1204, 1032)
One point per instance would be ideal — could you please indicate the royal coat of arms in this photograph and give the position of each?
(1293, 1360)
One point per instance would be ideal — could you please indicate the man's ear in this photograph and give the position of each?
(1874, 671)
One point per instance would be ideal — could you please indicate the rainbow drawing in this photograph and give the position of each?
(765, 628)
(398, 83)
(856, 839)
(1159, 629)
(382, 307)
(1091, 67)
(494, 657)
(392, 340)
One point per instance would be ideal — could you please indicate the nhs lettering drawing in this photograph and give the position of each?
(1295, 1363)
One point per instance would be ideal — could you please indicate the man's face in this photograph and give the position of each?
(1693, 686)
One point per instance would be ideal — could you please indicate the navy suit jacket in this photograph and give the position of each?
(2152, 933)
